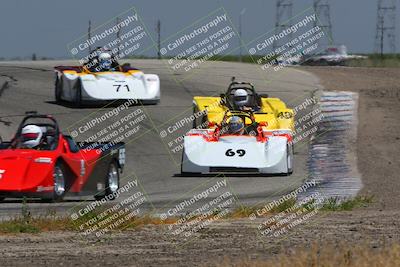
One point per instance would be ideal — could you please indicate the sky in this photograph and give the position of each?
(45, 27)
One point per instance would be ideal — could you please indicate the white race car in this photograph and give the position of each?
(78, 84)
(258, 150)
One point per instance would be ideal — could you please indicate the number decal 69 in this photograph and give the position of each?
(231, 153)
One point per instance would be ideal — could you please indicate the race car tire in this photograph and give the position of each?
(194, 124)
(58, 90)
(111, 182)
(151, 102)
(323, 62)
(59, 183)
(2, 199)
(199, 123)
(78, 95)
(187, 173)
(289, 156)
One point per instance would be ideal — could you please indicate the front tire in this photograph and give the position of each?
(187, 174)
(58, 90)
(59, 183)
(111, 182)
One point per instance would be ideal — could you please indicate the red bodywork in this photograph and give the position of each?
(29, 172)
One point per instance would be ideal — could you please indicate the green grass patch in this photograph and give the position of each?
(337, 204)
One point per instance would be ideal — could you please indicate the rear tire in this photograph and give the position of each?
(289, 157)
(190, 174)
(182, 172)
(78, 95)
(154, 102)
(58, 90)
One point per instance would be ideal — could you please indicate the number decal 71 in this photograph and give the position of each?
(118, 86)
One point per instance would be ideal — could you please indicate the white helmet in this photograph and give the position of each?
(105, 60)
(240, 97)
(31, 136)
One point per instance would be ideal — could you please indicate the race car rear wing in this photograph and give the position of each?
(5, 145)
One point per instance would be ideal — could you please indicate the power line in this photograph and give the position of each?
(386, 26)
(89, 34)
(284, 11)
(158, 28)
(118, 34)
(240, 33)
(323, 20)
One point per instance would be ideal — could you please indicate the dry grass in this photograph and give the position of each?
(47, 223)
(50, 222)
(342, 256)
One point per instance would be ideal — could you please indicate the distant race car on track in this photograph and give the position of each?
(242, 96)
(103, 79)
(41, 162)
(238, 144)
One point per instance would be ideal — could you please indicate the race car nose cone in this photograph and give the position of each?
(237, 139)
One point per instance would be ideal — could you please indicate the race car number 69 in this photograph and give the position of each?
(231, 153)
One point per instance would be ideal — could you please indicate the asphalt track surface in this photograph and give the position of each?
(28, 86)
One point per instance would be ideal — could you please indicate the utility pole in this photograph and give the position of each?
(89, 34)
(284, 11)
(240, 34)
(118, 36)
(158, 28)
(323, 20)
(386, 26)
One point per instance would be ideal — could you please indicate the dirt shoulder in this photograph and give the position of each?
(375, 226)
(378, 143)
(235, 240)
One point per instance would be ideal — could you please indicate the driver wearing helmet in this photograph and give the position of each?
(236, 126)
(105, 62)
(31, 137)
(241, 101)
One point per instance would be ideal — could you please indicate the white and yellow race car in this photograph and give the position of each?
(264, 147)
(270, 110)
(82, 84)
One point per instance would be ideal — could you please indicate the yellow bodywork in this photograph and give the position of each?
(273, 111)
(86, 72)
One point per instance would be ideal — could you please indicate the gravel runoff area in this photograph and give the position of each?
(375, 226)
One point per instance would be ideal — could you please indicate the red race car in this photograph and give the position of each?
(41, 162)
